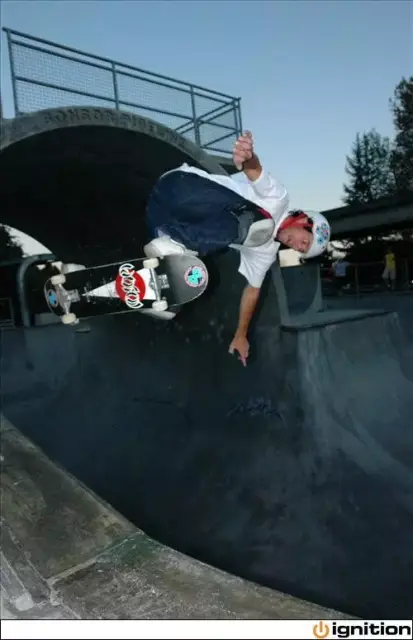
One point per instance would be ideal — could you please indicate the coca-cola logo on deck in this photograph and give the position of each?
(130, 286)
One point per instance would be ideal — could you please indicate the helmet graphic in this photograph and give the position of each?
(320, 228)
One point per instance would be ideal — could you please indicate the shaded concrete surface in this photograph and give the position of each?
(392, 301)
(68, 555)
(303, 288)
(301, 303)
(294, 472)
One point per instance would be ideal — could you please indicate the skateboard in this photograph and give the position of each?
(129, 286)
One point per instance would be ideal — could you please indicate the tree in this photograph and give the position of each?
(402, 154)
(10, 249)
(369, 168)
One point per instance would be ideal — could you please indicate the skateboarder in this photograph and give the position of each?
(192, 210)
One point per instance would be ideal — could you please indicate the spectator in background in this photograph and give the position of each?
(340, 275)
(389, 273)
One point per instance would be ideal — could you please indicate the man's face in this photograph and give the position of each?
(296, 238)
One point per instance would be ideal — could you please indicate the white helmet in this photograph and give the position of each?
(321, 234)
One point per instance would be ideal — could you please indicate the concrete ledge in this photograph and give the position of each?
(329, 317)
(68, 555)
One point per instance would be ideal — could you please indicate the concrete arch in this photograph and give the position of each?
(120, 153)
(16, 129)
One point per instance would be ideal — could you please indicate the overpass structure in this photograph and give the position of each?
(394, 212)
(208, 118)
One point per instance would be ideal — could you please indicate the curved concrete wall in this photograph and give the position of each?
(77, 178)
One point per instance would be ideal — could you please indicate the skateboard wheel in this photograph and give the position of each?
(60, 278)
(69, 318)
(151, 263)
(160, 305)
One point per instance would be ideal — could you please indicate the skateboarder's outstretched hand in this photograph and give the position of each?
(243, 150)
(240, 344)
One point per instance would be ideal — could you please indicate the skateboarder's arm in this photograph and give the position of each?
(253, 168)
(266, 187)
(248, 304)
(240, 342)
(260, 182)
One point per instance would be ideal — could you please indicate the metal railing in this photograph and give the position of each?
(367, 277)
(45, 74)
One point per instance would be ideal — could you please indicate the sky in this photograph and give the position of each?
(310, 74)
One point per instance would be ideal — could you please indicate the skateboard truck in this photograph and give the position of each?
(152, 264)
(64, 298)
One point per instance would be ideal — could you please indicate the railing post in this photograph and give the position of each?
(115, 85)
(12, 73)
(238, 119)
(21, 289)
(197, 133)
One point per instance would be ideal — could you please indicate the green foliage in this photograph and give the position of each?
(402, 109)
(378, 167)
(370, 169)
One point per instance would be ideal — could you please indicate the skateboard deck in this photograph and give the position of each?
(129, 286)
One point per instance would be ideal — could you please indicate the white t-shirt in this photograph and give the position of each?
(266, 192)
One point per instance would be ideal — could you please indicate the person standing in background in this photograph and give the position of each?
(389, 273)
(340, 275)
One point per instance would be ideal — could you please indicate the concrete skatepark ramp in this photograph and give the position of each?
(68, 555)
(294, 472)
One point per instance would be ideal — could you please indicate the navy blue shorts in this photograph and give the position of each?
(196, 211)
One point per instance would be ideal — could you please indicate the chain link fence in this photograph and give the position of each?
(48, 75)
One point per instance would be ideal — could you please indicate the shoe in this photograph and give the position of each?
(70, 268)
(165, 246)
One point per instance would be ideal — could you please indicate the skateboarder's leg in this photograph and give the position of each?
(164, 245)
(192, 211)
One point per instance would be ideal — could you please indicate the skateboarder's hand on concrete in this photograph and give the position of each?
(240, 344)
(243, 150)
